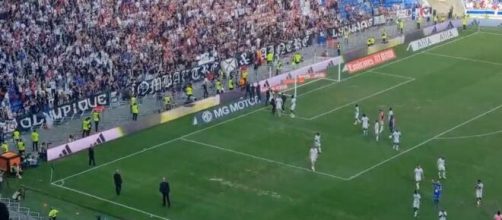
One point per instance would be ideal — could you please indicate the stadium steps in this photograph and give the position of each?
(18, 212)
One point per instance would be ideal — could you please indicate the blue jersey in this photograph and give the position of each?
(437, 190)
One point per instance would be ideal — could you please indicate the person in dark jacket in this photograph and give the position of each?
(258, 91)
(117, 179)
(92, 160)
(165, 190)
(4, 211)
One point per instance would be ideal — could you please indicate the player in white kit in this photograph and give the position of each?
(313, 154)
(377, 130)
(381, 118)
(396, 135)
(441, 163)
(479, 192)
(416, 203)
(419, 175)
(442, 215)
(365, 123)
(293, 106)
(317, 142)
(356, 115)
(278, 105)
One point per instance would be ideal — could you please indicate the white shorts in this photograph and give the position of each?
(418, 178)
(479, 194)
(292, 108)
(441, 168)
(416, 205)
(313, 158)
(356, 116)
(317, 144)
(365, 126)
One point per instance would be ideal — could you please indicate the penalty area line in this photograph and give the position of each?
(425, 142)
(263, 159)
(151, 215)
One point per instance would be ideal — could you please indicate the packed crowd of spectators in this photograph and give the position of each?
(58, 51)
(484, 4)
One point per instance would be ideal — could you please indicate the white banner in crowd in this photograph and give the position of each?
(433, 39)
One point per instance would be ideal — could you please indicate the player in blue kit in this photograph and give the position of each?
(437, 190)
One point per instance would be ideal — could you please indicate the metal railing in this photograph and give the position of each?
(18, 212)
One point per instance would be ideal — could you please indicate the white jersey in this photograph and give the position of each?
(293, 104)
(278, 103)
(317, 140)
(366, 122)
(377, 128)
(356, 113)
(442, 215)
(313, 154)
(395, 136)
(419, 173)
(479, 190)
(390, 114)
(416, 200)
(441, 164)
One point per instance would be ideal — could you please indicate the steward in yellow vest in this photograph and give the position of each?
(135, 111)
(96, 116)
(34, 140)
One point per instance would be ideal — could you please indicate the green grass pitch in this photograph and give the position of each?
(447, 101)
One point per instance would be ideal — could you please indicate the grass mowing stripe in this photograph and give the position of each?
(109, 201)
(463, 58)
(425, 142)
(391, 75)
(243, 115)
(362, 99)
(170, 141)
(263, 159)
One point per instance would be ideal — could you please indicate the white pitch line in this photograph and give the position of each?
(425, 142)
(362, 99)
(431, 48)
(151, 215)
(391, 75)
(243, 115)
(175, 139)
(492, 33)
(463, 58)
(470, 136)
(263, 159)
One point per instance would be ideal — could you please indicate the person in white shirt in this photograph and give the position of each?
(419, 175)
(377, 130)
(313, 153)
(479, 192)
(441, 163)
(366, 123)
(293, 106)
(356, 115)
(416, 203)
(317, 142)
(278, 105)
(396, 135)
(442, 215)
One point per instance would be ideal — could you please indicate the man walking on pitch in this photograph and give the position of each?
(165, 190)
(117, 179)
(92, 160)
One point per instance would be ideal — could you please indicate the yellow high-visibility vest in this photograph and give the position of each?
(135, 109)
(34, 136)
